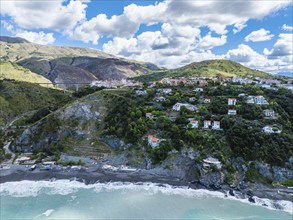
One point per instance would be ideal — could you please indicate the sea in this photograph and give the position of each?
(65, 199)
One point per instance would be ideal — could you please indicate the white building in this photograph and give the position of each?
(212, 161)
(149, 115)
(207, 100)
(232, 101)
(207, 124)
(194, 124)
(178, 105)
(198, 90)
(216, 125)
(165, 91)
(141, 92)
(160, 99)
(192, 99)
(269, 113)
(271, 129)
(232, 112)
(259, 100)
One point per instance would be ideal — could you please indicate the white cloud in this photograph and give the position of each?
(283, 47)
(259, 35)
(208, 42)
(37, 37)
(286, 27)
(239, 26)
(214, 14)
(28, 14)
(250, 58)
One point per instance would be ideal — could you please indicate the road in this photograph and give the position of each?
(8, 151)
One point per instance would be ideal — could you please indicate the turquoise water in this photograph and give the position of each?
(74, 200)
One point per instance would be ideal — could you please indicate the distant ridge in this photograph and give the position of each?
(226, 68)
(67, 65)
(13, 40)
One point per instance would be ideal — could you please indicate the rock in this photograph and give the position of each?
(231, 193)
(263, 169)
(252, 200)
(211, 179)
(113, 142)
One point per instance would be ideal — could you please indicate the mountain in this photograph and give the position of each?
(13, 71)
(286, 74)
(70, 64)
(13, 39)
(206, 68)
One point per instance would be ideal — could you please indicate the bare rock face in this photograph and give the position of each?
(77, 121)
(211, 179)
(274, 173)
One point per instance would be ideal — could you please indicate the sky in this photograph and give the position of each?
(168, 33)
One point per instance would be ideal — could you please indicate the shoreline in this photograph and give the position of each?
(92, 176)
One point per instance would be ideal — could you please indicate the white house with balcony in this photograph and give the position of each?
(232, 101)
(270, 114)
(207, 124)
(216, 125)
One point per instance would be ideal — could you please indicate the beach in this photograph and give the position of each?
(96, 174)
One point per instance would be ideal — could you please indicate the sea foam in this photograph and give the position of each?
(27, 188)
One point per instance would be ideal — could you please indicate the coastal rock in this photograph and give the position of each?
(210, 179)
(251, 199)
(263, 169)
(113, 142)
(73, 126)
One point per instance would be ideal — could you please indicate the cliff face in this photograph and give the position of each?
(75, 128)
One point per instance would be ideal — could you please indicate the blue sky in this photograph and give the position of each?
(169, 33)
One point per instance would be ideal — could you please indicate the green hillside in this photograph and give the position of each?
(18, 98)
(13, 71)
(206, 68)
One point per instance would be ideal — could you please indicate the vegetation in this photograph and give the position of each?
(205, 68)
(241, 136)
(13, 71)
(18, 98)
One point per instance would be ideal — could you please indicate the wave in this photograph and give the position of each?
(27, 188)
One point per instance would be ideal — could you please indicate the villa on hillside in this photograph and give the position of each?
(178, 105)
(153, 141)
(271, 129)
(259, 100)
(232, 101)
